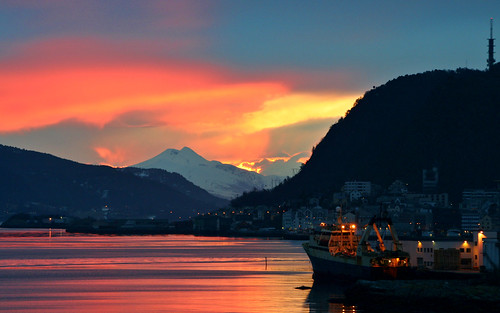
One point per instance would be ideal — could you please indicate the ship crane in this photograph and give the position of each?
(372, 225)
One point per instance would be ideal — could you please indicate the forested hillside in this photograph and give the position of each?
(44, 184)
(447, 119)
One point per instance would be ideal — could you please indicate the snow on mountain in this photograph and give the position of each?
(222, 180)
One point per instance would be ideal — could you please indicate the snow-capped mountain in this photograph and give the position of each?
(222, 180)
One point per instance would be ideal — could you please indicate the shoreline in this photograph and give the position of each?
(478, 295)
(145, 231)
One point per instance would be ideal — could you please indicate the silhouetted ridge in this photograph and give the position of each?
(45, 184)
(448, 119)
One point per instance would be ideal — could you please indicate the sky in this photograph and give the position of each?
(256, 84)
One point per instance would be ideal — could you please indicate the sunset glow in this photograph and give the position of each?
(294, 108)
(249, 166)
(119, 82)
(220, 116)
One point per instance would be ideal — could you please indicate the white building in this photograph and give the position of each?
(457, 253)
(304, 218)
(357, 189)
(490, 246)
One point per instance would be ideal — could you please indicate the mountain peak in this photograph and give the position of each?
(224, 180)
(188, 150)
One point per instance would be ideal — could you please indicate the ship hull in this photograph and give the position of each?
(328, 267)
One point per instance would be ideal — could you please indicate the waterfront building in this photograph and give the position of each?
(477, 250)
(490, 258)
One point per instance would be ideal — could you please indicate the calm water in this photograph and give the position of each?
(51, 271)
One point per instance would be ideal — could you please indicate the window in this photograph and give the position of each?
(468, 250)
(466, 263)
(420, 262)
(462, 250)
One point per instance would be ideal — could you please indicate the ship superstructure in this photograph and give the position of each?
(343, 251)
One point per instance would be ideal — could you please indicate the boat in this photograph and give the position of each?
(341, 251)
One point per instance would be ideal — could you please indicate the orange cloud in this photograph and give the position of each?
(139, 101)
(297, 107)
(185, 96)
(111, 157)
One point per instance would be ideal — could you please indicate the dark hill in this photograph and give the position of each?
(44, 184)
(448, 119)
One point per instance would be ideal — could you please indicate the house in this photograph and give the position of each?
(304, 218)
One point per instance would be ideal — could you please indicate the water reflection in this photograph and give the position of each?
(51, 271)
(324, 297)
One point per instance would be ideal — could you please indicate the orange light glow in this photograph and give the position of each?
(38, 98)
(111, 157)
(248, 166)
(219, 113)
(293, 108)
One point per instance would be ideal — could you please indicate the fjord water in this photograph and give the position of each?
(52, 271)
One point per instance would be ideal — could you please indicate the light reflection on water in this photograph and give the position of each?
(55, 272)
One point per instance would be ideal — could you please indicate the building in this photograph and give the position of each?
(479, 250)
(430, 180)
(490, 258)
(471, 221)
(304, 218)
(480, 199)
(357, 189)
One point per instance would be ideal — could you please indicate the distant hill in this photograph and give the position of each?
(223, 180)
(41, 183)
(447, 119)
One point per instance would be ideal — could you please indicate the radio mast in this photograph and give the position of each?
(491, 45)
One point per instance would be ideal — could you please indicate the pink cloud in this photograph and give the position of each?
(91, 52)
(116, 156)
(87, 81)
(137, 101)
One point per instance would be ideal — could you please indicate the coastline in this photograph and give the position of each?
(480, 295)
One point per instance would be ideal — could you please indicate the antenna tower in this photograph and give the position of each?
(491, 45)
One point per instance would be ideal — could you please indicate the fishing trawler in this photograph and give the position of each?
(337, 251)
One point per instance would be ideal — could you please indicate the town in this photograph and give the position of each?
(438, 234)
